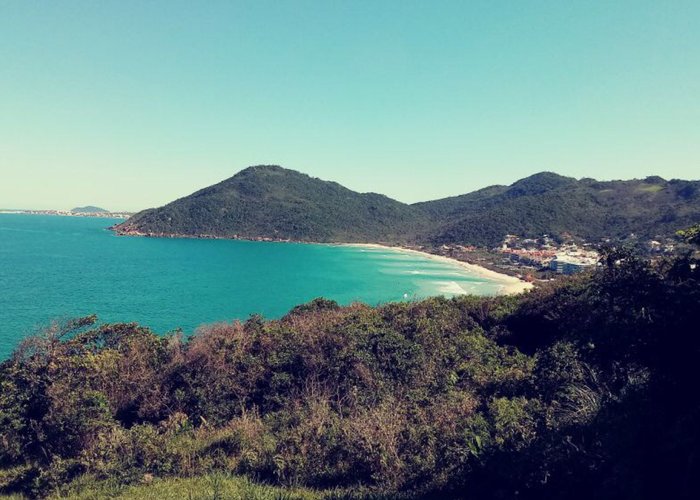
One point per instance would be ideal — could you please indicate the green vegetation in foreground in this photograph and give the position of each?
(583, 389)
(272, 202)
(209, 487)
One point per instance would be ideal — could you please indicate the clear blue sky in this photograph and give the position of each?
(130, 104)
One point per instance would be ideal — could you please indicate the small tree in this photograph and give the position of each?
(690, 235)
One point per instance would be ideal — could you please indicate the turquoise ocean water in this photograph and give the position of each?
(55, 267)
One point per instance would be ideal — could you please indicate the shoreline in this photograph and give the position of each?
(509, 285)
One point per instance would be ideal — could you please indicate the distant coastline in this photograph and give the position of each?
(70, 213)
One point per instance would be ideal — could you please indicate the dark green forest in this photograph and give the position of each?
(272, 202)
(586, 388)
(277, 203)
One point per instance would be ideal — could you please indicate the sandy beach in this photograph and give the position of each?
(509, 285)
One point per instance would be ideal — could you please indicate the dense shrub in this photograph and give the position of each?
(586, 388)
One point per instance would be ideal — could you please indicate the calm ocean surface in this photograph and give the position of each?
(61, 267)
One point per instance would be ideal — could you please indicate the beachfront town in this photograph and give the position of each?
(543, 257)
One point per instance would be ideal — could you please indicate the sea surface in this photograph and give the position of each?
(54, 268)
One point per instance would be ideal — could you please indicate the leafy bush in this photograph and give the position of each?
(545, 395)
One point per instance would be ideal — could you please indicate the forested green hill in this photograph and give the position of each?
(277, 203)
(272, 202)
(547, 203)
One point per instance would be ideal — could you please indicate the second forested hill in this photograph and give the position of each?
(548, 203)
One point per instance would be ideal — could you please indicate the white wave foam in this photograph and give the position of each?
(450, 287)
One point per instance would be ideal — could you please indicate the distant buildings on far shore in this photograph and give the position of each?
(71, 213)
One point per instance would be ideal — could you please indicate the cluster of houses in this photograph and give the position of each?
(528, 258)
(545, 253)
(539, 258)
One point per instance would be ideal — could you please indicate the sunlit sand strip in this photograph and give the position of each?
(508, 284)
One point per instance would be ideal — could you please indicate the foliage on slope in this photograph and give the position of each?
(547, 203)
(581, 390)
(272, 202)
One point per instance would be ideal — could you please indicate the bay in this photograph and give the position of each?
(54, 268)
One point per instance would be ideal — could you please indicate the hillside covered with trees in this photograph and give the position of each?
(272, 202)
(548, 203)
(276, 203)
(583, 389)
